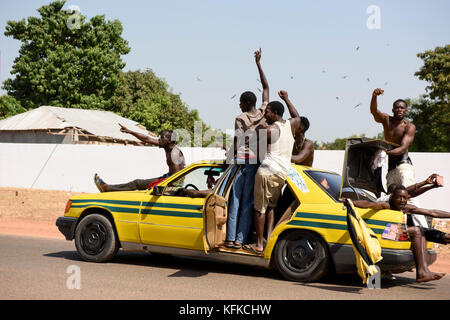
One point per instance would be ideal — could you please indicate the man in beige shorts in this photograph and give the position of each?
(273, 171)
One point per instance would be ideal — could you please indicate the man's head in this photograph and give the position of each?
(247, 101)
(274, 112)
(305, 123)
(166, 138)
(399, 198)
(399, 108)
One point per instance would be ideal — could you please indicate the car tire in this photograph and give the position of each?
(96, 239)
(302, 256)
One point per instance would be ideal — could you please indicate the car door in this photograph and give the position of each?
(168, 219)
(216, 211)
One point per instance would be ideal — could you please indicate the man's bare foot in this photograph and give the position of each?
(432, 276)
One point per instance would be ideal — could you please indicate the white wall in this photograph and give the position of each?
(72, 167)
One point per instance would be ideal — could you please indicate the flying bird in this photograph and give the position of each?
(368, 80)
(233, 96)
(292, 77)
(357, 48)
(198, 79)
(259, 90)
(357, 105)
(386, 83)
(344, 77)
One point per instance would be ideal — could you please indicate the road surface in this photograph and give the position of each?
(41, 268)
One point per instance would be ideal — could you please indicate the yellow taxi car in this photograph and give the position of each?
(309, 239)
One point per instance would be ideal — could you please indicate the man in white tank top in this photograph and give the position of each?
(273, 171)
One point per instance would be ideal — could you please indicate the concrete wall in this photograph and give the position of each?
(72, 167)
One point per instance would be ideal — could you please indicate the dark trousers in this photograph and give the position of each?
(138, 184)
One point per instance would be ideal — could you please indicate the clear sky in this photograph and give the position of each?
(204, 50)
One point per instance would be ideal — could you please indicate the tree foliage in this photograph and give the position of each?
(146, 98)
(66, 67)
(431, 112)
(9, 107)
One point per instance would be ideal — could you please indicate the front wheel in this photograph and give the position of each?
(301, 256)
(95, 238)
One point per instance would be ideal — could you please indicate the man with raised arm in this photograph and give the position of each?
(245, 151)
(303, 152)
(174, 159)
(401, 132)
(271, 175)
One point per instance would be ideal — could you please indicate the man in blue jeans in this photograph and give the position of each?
(245, 152)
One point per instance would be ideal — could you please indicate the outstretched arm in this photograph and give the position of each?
(140, 136)
(364, 204)
(421, 187)
(264, 82)
(407, 139)
(435, 213)
(292, 110)
(376, 113)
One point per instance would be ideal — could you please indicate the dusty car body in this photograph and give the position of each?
(310, 236)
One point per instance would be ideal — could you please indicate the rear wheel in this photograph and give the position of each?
(301, 256)
(95, 238)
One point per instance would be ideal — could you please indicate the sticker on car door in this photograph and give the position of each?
(298, 180)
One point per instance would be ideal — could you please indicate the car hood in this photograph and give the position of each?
(361, 168)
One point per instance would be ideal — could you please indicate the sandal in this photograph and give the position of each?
(228, 244)
(251, 248)
(100, 184)
(237, 245)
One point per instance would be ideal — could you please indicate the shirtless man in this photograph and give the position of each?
(398, 201)
(401, 132)
(303, 152)
(174, 159)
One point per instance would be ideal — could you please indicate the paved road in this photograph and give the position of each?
(36, 268)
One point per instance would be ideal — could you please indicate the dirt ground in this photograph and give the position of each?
(33, 212)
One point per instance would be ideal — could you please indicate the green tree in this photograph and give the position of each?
(146, 98)
(9, 107)
(340, 143)
(66, 65)
(431, 112)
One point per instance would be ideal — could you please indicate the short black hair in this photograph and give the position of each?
(399, 188)
(249, 98)
(276, 107)
(305, 122)
(172, 135)
(399, 100)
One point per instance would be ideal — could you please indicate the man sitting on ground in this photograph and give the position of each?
(398, 201)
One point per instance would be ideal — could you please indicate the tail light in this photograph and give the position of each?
(68, 205)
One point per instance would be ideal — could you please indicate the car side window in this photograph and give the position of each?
(200, 178)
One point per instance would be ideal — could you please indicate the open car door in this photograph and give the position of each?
(215, 211)
(363, 166)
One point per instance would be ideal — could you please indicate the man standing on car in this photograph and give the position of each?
(398, 130)
(245, 151)
(174, 159)
(303, 152)
(272, 173)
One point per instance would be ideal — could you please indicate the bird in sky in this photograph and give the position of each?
(357, 48)
(357, 105)
(198, 79)
(344, 77)
(233, 96)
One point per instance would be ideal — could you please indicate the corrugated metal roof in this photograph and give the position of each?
(96, 122)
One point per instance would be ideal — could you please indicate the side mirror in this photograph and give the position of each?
(158, 190)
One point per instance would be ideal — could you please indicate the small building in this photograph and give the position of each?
(69, 126)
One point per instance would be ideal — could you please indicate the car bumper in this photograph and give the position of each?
(66, 226)
(394, 261)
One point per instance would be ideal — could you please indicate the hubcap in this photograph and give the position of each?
(93, 238)
(300, 254)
